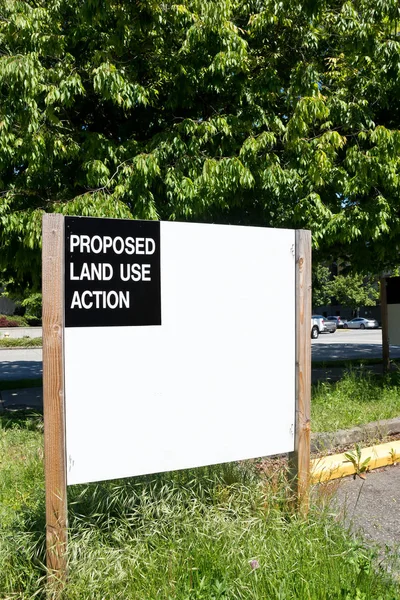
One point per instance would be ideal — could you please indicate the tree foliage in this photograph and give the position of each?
(282, 114)
(354, 291)
(321, 285)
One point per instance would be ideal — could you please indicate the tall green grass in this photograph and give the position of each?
(358, 398)
(215, 533)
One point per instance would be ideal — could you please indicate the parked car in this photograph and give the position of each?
(330, 326)
(361, 323)
(317, 326)
(340, 323)
(326, 326)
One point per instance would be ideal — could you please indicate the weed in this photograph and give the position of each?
(393, 456)
(355, 458)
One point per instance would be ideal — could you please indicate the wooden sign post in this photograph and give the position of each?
(53, 397)
(299, 460)
(193, 303)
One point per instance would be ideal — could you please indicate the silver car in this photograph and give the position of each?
(317, 326)
(326, 326)
(361, 323)
(338, 320)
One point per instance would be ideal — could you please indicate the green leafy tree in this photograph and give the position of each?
(237, 111)
(354, 291)
(321, 285)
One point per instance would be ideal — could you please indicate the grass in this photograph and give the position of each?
(349, 363)
(24, 342)
(189, 535)
(358, 398)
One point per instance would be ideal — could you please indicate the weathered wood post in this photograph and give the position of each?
(299, 460)
(53, 398)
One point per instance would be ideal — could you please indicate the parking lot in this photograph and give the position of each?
(351, 336)
(350, 343)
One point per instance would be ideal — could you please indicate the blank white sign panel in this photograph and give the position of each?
(215, 382)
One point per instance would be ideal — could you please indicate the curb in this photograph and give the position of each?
(371, 432)
(337, 466)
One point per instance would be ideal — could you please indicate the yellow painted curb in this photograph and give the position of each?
(336, 466)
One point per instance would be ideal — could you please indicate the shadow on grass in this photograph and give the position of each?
(363, 375)
(31, 420)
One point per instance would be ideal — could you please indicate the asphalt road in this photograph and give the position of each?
(350, 343)
(20, 364)
(371, 507)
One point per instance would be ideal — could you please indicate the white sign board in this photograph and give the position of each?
(207, 377)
